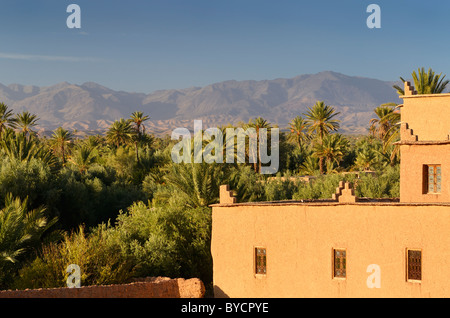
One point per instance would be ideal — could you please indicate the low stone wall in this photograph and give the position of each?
(160, 287)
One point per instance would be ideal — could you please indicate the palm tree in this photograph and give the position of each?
(425, 83)
(61, 137)
(97, 142)
(298, 128)
(83, 157)
(197, 183)
(20, 230)
(387, 127)
(366, 158)
(309, 166)
(138, 118)
(5, 118)
(257, 124)
(332, 149)
(19, 147)
(320, 120)
(25, 121)
(120, 133)
(388, 118)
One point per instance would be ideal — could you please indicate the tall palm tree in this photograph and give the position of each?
(120, 133)
(26, 121)
(387, 128)
(60, 138)
(257, 124)
(298, 128)
(332, 149)
(320, 121)
(230, 142)
(6, 119)
(388, 118)
(425, 82)
(138, 119)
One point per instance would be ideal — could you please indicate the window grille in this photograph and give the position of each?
(414, 270)
(432, 179)
(261, 260)
(340, 263)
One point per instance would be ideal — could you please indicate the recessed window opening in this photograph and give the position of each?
(432, 178)
(414, 265)
(339, 263)
(260, 261)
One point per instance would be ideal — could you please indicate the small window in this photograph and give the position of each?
(414, 265)
(432, 178)
(340, 263)
(260, 261)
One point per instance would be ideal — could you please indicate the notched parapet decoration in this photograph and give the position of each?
(409, 89)
(406, 133)
(226, 195)
(345, 193)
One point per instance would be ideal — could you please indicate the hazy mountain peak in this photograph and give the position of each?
(93, 85)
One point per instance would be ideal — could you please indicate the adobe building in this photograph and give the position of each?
(348, 246)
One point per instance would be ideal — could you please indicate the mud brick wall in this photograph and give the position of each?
(151, 288)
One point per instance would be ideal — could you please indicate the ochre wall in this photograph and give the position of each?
(427, 115)
(413, 157)
(299, 239)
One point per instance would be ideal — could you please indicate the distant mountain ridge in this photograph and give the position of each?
(91, 107)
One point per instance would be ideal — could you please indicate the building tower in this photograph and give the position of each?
(424, 147)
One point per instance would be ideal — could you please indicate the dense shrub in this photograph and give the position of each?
(382, 185)
(146, 241)
(100, 262)
(246, 184)
(321, 187)
(27, 179)
(164, 241)
(281, 188)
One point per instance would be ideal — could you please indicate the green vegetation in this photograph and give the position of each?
(117, 206)
(425, 82)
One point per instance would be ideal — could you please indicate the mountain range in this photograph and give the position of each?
(91, 108)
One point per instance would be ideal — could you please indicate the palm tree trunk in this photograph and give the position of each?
(321, 165)
(137, 151)
(62, 153)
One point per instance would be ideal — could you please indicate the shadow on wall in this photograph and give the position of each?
(219, 293)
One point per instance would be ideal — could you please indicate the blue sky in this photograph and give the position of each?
(146, 45)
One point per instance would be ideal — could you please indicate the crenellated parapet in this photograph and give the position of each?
(409, 89)
(406, 133)
(226, 195)
(344, 193)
